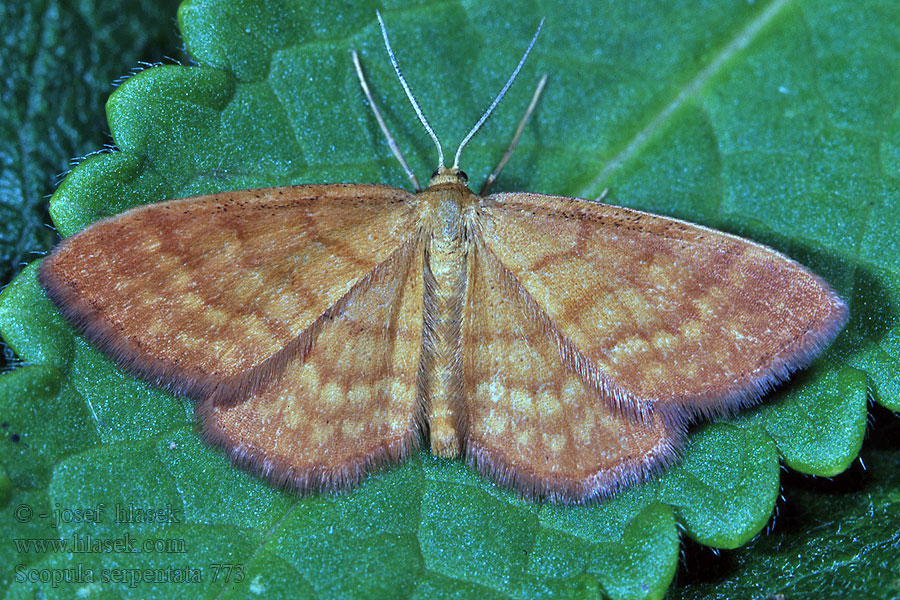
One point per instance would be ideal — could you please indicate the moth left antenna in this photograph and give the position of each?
(499, 97)
(412, 99)
(381, 123)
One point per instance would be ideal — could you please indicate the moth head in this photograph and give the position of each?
(448, 175)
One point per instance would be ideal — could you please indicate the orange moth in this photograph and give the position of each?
(560, 346)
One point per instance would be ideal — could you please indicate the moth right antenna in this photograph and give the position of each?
(515, 140)
(499, 97)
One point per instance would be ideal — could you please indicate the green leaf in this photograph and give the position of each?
(830, 539)
(774, 120)
(722, 464)
(56, 70)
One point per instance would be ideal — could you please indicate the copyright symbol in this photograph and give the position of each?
(23, 513)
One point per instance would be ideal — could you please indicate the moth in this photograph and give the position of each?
(559, 346)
